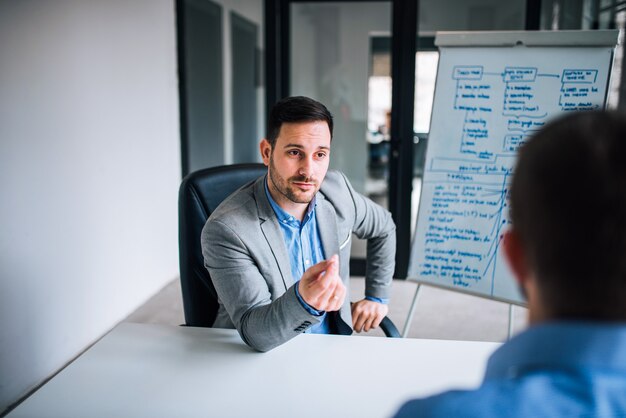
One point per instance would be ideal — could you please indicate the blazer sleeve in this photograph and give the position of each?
(244, 292)
(375, 224)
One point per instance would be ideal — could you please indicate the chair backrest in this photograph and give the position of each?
(200, 194)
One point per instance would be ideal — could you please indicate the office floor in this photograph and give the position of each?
(439, 314)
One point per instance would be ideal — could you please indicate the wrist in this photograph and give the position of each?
(375, 299)
(305, 305)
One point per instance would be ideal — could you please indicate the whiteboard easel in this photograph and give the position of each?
(493, 90)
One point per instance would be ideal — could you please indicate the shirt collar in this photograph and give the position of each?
(566, 344)
(284, 217)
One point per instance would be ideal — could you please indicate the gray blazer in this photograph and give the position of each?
(245, 254)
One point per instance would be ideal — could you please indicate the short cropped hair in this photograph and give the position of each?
(568, 205)
(296, 109)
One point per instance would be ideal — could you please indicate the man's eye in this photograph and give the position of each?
(293, 152)
(321, 155)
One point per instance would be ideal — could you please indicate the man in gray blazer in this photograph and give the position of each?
(278, 249)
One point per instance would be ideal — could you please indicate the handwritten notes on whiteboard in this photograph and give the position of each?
(488, 101)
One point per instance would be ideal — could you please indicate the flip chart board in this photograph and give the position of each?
(493, 91)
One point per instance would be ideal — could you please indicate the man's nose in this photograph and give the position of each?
(306, 167)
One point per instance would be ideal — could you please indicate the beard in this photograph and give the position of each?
(290, 192)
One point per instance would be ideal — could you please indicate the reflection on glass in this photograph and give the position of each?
(331, 61)
(425, 77)
(379, 105)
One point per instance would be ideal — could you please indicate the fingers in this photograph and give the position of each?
(367, 325)
(315, 271)
(362, 321)
(331, 272)
(321, 286)
(336, 300)
(367, 315)
(368, 321)
(326, 293)
(376, 322)
(337, 291)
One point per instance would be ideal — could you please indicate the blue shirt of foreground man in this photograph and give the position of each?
(567, 250)
(278, 249)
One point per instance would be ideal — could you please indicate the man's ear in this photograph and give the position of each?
(516, 257)
(525, 276)
(266, 151)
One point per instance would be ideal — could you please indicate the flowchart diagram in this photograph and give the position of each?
(482, 114)
(520, 106)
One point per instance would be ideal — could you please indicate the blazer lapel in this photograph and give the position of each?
(272, 232)
(327, 226)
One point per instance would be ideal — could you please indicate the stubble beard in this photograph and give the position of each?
(286, 190)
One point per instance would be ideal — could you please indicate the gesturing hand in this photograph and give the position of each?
(321, 287)
(367, 315)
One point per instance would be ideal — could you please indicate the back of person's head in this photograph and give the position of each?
(568, 206)
(296, 109)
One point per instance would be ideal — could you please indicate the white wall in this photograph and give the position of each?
(89, 172)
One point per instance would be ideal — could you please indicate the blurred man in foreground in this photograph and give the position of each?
(567, 250)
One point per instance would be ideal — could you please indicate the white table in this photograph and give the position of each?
(141, 370)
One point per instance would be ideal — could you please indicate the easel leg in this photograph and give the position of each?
(409, 318)
(511, 320)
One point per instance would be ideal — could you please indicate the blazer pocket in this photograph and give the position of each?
(342, 246)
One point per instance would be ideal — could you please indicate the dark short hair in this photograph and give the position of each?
(568, 205)
(296, 109)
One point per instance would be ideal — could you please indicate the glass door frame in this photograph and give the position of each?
(403, 47)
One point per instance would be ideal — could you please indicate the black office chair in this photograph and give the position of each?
(199, 195)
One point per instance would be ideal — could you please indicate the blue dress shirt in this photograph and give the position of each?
(305, 249)
(558, 369)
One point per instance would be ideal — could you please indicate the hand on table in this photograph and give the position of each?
(321, 287)
(367, 314)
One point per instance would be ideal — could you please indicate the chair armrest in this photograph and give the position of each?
(389, 328)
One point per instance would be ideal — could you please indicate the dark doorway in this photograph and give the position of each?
(201, 84)
(244, 88)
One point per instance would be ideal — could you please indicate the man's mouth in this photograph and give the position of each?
(302, 185)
